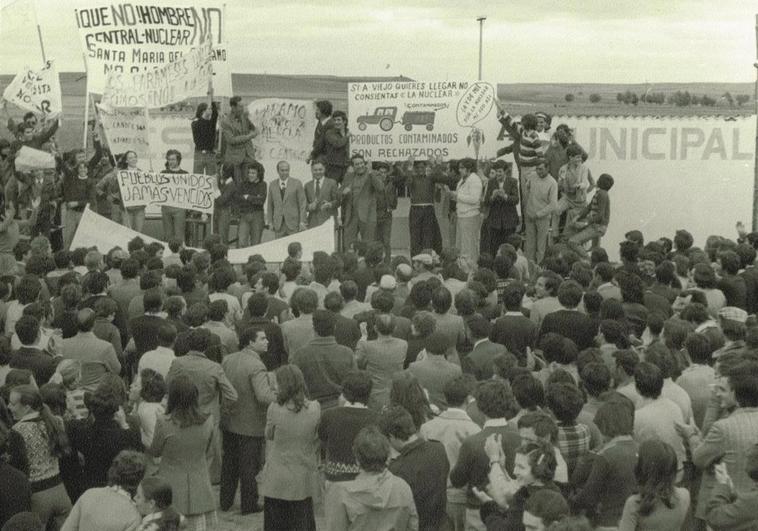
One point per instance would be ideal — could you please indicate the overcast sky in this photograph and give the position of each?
(611, 41)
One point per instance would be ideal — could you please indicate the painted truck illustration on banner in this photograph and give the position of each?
(384, 117)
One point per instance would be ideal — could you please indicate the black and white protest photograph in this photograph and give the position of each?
(270, 265)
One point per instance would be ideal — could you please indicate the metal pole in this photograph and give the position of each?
(41, 44)
(481, 31)
(755, 161)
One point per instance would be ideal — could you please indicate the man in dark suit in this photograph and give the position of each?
(569, 322)
(479, 361)
(422, 464)
(359, 191)
(275, 355)
(514, 330)
(144, 329)
(347, 331)
(321, 196)
(333, 146)
(29, 356)
(285, 203)
(323, 109)
(500, 200)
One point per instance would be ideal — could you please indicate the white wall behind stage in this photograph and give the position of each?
(671, 173)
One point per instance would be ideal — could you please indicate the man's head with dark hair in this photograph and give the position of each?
(743, 379)
(615, 417)
(494, 398)
(356, 387)
(135, 244)
(199, 339)
(442, 300)
(334, 302)
(549, 281)
(349, 290)
(480, 327)
(85, 319)
(513, 295)
(28, 289)
(746, 253)
(660, 356)
(150, 280)
(305, 300)
(186, 279)
(458, 389)
(257, 304)
(323, 323)
(95, 282)
(324, 108)
(62, 259)
(130, 268)
(217, 310)
(570, 294)
(648, 380)
(565, 401)
(683, 240)
(153, 300)
(502, 266)
(421, 295)
(629, 251)
(699, 348)
(487, 278)
(528, 391)
(382, 301)
(166, 335)
(466, 302)
(437, 343)
(730, 262)
(543, 508)
(197, 314)
(27, 329)
(371, 449)
(397, 424)
(596, 378)
(323, 271)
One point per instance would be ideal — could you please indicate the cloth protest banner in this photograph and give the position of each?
(104, 234)
(38, 91)
(97, 231)
(190, 191)
(126, 130)
(28, 159)
(285, 132)
(319, 238)
(184, 78)
(129, 37)
(400, 119)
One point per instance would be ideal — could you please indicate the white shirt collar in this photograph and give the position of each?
(356, 405)
(494, 423)
(481, 341)
(514, 314)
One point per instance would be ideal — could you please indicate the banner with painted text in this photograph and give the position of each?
(285, 132)
(190, 191)
(129, 37)
(671, 172)
(38, 91)
(396, 120)
(126, 130)
(187, 77)
(104, 234)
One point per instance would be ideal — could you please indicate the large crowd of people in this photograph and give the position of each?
(514, 378)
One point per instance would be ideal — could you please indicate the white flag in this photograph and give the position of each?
(38, 91)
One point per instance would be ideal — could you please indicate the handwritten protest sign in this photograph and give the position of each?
(222, 70)
(181, 190)
(126, 130)
(401, 119)
(184, 78)
(28, 159)
(285, 132)
(131, 37)
(38, 91)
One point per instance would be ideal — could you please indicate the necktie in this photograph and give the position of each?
(318, 188)
(282, 189)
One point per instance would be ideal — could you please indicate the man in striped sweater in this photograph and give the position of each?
(529, 146)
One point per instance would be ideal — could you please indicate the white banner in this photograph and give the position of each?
(395, 120)
(38, 91)
(187, 77)
(126, 130)
(28, 159)
(319, 238)
(670, 173)
(222, 71)
(285, 132)
(102, 233)
(190, 191)
(130, 37)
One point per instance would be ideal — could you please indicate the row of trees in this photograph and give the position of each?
(678, 98)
